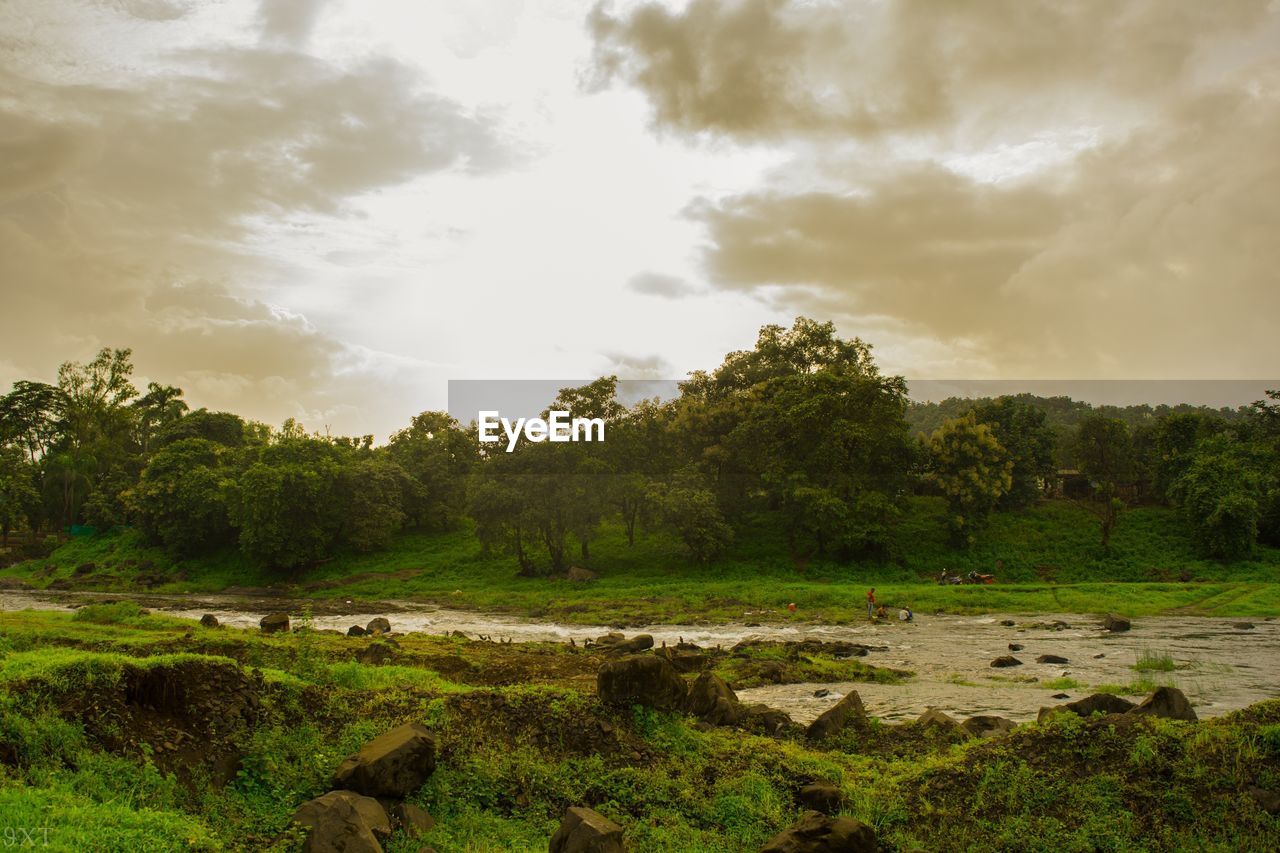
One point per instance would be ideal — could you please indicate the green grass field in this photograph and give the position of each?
(1046, 559)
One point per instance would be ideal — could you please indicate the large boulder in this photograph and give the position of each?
(1005, 661)
(209, 620)
(582, 830)
(1105, 703)
(274, 623)
(411, 819)
(848, 711)
(684, 660)
(356, 631)
(817, 833)
(1169, 702)
(634, 645)
(641, 680)
(939, 719)
(392, 765)
(821, 797)
(985, 725)
(1051, 659)
(762, 718)
(1116, 623)
(378, 625)
(713, 701)
(342, 822)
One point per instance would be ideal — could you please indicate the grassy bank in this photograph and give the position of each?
(90, 758)
(1046, 559)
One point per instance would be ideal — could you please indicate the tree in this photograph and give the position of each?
(438, 454)
(1023, 431)
(224, 428)
(30, 416)
(161, 407)
(689, 507)
(18, 495)
(371, 491)
(973, 471)
(180, 499)
(286, 504)
(1104, 448)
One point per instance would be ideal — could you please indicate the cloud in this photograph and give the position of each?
(1149, 255)
(657, 284)
(289, 21)
(773, 69)
(133, 208)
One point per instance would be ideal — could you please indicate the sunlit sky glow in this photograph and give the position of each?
(325, 210)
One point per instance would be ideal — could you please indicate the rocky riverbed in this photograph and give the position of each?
(1221, 664)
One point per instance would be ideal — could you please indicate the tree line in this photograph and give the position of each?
(803, 429)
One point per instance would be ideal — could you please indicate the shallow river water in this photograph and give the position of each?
(1220, 664)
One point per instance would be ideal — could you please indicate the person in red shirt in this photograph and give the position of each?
(871, 603)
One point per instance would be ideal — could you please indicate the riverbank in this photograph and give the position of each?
(121, 729)
(1046, 560)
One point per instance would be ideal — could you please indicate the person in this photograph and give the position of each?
(871, 603)
(905, 614)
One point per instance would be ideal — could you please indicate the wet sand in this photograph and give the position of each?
(1221, 667)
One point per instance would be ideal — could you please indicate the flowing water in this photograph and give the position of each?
(1220, 664)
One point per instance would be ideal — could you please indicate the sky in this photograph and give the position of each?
(327, 209)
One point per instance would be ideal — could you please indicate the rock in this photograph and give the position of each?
(609, 639)
(1105, 703)
(1243, 626)
(1006, 661)
(1016, 647)
(356, 631)
(985, 725)
(1168, 702)
(375, 654)
(1060, 696)
(821, 797)
(641, 680)
(274, 623)
(394, 764)
(682, 659)
(711, 700)
(821, 693)
(342, 822)
(1115, 623)
(209, 620)
(1008, 623)
(1268, 801)
(412, 820)
(579, 574)
(1099, 656)
(638, 643)
(934, 717)
(582, 830)
(378, 625)
(817, 833)
(848, 711)
(762, 718)
(1051, 659)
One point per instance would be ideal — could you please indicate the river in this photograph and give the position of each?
(1220, 664)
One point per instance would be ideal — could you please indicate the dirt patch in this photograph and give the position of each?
(183, 716)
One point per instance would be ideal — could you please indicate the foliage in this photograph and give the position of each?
(973, 471)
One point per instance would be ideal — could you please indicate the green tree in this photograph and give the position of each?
(1104, 448)
(1024, 432)
(1218, 496)
(438, 454)
(972, 470)
(180, 499)
(18, 494)
(687, 506)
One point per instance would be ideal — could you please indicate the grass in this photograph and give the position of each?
(1046, 559)
(1151, 661)
(522, 736)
